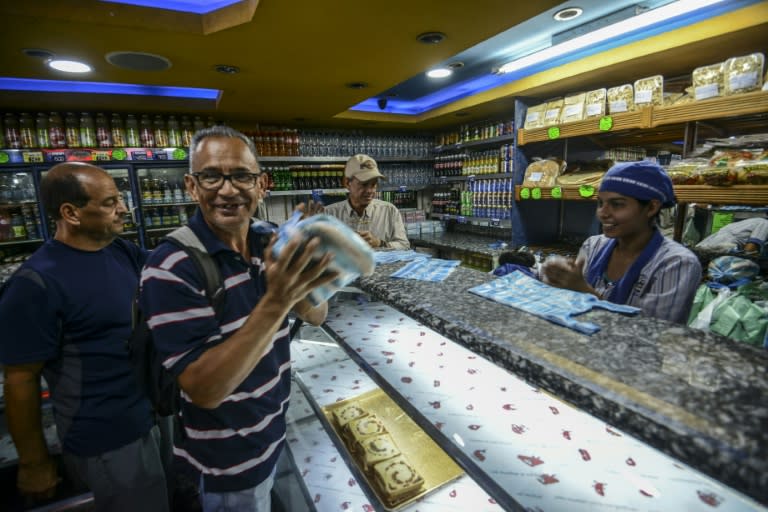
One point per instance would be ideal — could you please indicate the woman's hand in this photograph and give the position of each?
(565, 273)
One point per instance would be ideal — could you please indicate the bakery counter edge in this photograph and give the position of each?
(696, 396)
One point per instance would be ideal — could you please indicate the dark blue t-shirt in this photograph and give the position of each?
(77, 319)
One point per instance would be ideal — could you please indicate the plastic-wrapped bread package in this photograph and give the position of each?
(620, 99)
(534, 117)
(352, 256)
(542, 173)
(743, 74)
(649, 91)
(594, 103)
(573, 108)
(708, 81)
(552, 113)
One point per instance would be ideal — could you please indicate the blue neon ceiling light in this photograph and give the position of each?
(71, 86)
(191, 6)
(483, 83)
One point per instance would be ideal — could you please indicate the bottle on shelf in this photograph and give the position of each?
(56, 132)
(87, 131)
(41, 130)
(132, 139)
(174, 132)
(186, 131)
(28, 131)
(160, 132)
(117, 128)
(103, 131)
(198, 124)
(72, 130)
(146, 132)
(11, 131)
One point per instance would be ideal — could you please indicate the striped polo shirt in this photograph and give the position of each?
(236, 445)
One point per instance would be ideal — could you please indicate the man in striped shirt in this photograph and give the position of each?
(234, 370)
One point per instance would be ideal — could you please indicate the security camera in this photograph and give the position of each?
(382, 102)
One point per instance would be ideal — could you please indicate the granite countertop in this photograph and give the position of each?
(696, 396)
(463, 241)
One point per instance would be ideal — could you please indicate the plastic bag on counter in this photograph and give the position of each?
(740, 319)
(732, 270)
(352, 256)
(704, 316)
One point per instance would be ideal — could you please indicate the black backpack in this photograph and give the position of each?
(154, 380)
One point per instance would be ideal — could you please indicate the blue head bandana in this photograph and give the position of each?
(642, 180)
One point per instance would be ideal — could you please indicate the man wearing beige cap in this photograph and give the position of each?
(378, 222)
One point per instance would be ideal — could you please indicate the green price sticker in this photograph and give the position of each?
(557, 193)
(4, 158)
(525, 193)
(606, 123)
(179, 154)
(719, 220)
(553, 132)
(536, 193)
(119, 154)
(586, 191)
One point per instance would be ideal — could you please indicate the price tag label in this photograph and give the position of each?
(160, 155)
(536, 193)
(557, 193)
(32, 157)
(57, 157)
(139, 155)
(119, 154)
(402, 188)
(179, 154)
(495, 222)
(101, 156)
(606, 123)
(719, 220)
(471, 178)
(525, 193)
(553, 132)
(461, 219)
(442, 180)
(586, 191)
(4, 158)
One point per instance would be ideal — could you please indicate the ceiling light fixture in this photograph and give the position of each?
(439, 72)
(568, 13)
(72, 86)
(226, 69)
(430, 37)
(613, 31)
(69, 66)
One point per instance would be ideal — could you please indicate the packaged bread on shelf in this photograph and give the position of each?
(534, 117)
(573, 108)
(708, 81)
(594, 103)
(751, 172)
(743, 74)
(373, 450)
(397, 479)
(584, 173)
(620, 99)
(552, 113)
(349, 412)
(542, 173)
(649, 91)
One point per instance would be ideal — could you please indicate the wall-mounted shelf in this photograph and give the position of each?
(707, 194)
(493, 141)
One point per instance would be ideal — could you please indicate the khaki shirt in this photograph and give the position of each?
(381, 218)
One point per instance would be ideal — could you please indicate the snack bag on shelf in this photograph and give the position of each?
(594, 103)
(686, 172)
(708, 81)
(552, 113)
(751, 172)
(649, 91)
(620, 99)
(542, 173)
(717, 176)
(743, 74)
(573, 108)
(534, 117)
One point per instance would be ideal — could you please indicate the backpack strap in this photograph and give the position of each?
(205, 264)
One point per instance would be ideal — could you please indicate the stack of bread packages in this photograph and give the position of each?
(377, 454)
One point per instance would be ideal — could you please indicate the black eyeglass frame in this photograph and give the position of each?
(231, 177)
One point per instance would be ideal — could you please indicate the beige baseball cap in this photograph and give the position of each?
(363, 168)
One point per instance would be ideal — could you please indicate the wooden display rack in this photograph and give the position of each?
(705, 194)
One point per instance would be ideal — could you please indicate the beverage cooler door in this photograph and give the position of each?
(121, 175)
(164, 201)
(21, 230)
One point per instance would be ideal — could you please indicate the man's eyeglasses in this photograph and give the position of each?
(210, 180)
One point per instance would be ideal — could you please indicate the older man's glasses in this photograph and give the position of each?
(211, 180)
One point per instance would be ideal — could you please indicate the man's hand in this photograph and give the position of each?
(372, 240)
(311, 208)
(38, 481)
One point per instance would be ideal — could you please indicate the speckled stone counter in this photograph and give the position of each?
(461, 241)
(699, 397)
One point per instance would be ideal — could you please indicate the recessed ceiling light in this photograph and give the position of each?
(138, 61)
(568, 13)
(439, 73)
(69, 66)
(356, 85)
(38, 53)
(226, 69)
(430, 37)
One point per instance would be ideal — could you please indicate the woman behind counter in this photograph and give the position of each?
(632, 262)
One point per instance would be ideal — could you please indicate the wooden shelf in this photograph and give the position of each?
(568, 194)
(623, 121)
(706, 194)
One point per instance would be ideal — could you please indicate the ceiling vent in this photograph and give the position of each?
(138, 61)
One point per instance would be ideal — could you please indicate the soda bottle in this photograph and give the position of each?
(56, 132)
(118, 131)
(161, 133)
(132, 138)
(41, 129)
(146, 134)
(198, 124)
(174, 132)
(103, 131)
(27, 131)
(186, 131)
(87, 131)
(72, 130)
(12, 132)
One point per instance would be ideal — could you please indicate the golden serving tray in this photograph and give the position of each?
(432, 463)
